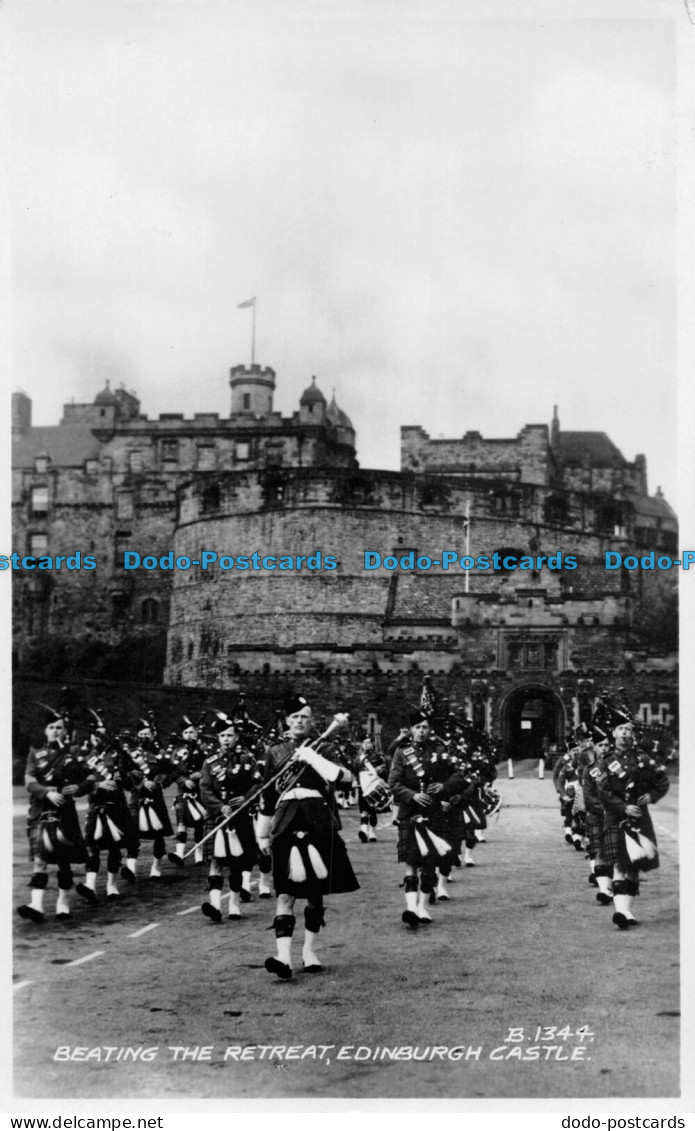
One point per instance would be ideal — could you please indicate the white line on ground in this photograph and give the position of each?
(143, 930)
(86, 958)
(188, 911)
(20, 985)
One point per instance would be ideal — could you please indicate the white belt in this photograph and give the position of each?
(298, 794)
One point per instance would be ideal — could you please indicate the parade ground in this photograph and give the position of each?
(521, 987)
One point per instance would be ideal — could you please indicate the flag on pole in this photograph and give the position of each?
(244, 305)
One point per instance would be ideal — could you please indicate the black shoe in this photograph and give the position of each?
(444, 897)
(113, 896)
(568, 838)
(363, 836)
(424, 921)
(432, 898)
(86, 893)
(128, 874)
(621, 921)
(633, 923)
(245, 895)
(63, 915)
(578, 846)
(27, 912)
(212, 912)
(603, 898)
(315, 968)
(593, 881)
(174, 859)
(275, 966)
(410, 919)
(457, 861)
(264, 895)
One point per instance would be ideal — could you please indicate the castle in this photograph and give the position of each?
(526, 652)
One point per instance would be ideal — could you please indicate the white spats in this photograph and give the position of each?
(235, 905)
(111, 884)
(265, 887)
(180, 849)
(411, 901)
(37, 899)
(442, 890)
(468, 858)
(604, 885)
(198, 856)
(623, 905)
(155, 870)
(309, 956)
(62, 906)
(422, 909)
(284, 946)
(371, 835)
(90, 880)
(215, 898)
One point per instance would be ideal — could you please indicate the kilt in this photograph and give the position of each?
(614, 851)
(408, 848)
(159, 806)
(116, 809)
(297, 825)
(247, 842)
(455, 829)
(594, 831)
(182, 812)
(75, 852)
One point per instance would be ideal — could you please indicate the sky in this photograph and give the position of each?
(449, 219)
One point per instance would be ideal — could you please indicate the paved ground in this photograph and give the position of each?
(522, 945)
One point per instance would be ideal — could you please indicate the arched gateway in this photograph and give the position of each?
(532, 719)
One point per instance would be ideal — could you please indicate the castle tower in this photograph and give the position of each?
(312, 405)
(252, 390)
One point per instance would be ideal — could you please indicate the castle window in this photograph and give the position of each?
(124, 506)
(135, 461)
(39, 500)
(41, 464)
(123, 543)
(149, 611)
(91, 466)
(247, 401)
(38, 544)
(191, 647)
(534, 653)
(210, 500)
(170, 451)
(273, 456)
(242, 451)
(206, 457)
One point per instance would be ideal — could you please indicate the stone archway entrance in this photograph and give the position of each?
(532, 718)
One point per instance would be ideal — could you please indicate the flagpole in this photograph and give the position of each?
(468, 540)
(253, 335)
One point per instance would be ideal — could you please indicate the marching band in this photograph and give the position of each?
(270, 800)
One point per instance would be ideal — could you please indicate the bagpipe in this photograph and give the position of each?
(148, 820)
(285, 779)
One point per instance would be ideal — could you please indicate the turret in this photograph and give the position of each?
(312, 405)
(252, 390)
